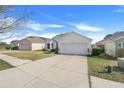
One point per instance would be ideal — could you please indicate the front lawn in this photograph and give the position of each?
(97, 64)
(29, 55)
(4, 65)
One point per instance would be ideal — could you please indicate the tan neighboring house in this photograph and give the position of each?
(15, 42)
(99, 44)
(32, 43)
(71, 43)
(113, 43)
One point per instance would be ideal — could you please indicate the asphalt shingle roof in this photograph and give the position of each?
(114, 36)
(35, 39)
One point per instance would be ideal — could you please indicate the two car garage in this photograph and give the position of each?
(74, 48)
(74, 43)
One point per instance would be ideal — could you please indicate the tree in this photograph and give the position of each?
(11, 20)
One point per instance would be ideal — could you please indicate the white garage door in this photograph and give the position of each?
(73, 48)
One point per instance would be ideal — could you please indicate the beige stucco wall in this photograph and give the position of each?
(37, 46)
(24, 45)
(110, 48)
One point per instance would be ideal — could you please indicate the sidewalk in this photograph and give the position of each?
(13, 60)
(103, 83)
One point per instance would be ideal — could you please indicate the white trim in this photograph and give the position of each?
(119, 38)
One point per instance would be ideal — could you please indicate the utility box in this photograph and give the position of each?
(109, 68)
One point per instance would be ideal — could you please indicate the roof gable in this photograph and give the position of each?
(71, 35)
(35, 39)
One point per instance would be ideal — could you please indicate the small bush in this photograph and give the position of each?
(12, 47)
(97, 51)
(57, 50)
(15, 48)
(120, 52)
(54, 50)
(8, 47)
(44, 49)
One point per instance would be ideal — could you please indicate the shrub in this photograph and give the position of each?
(54, 50)
(97, 51)
(12, 47)
(8, 47)
(15, 48)
(120, 52)
(44, 49)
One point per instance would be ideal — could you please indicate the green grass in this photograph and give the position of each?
(30, 55)
(2, 47)
(4, 65)
(97, 64)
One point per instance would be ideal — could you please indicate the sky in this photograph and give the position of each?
(93, 21)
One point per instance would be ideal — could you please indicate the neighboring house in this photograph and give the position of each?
(32, 43)
(113, 42)
(71, 43)
(99, 44)
(15, 42)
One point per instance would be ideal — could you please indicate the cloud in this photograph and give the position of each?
(86, 27)
(35, 26)
(40, 27)
(120, 9)
(53, 26)
(19, 37)
(96, 38)
(49, 35)
(13, 38)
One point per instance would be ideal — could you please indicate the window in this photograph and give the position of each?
(52, 45)
(119, 45)
(48, 45)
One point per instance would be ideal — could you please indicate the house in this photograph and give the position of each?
(71, 43)
(99, 44)
(32, 43)
(113, 42)
(15, 42)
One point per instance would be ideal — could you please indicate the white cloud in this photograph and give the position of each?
(49, 35)
(17, 37)
(13, 38)
(40, 27)
(53, 26)
(85, 27)
(120, 9)
(96, 38)
(35, 26)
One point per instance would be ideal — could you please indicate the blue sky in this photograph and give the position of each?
(92, 21)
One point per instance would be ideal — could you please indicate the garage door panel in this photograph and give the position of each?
(73, 48)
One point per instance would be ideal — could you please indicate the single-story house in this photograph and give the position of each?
(32, 43)
(99, 44)
(15, 42)
(113, 42)
(71, 43)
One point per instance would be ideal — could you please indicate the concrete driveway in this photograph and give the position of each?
(57, 71)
